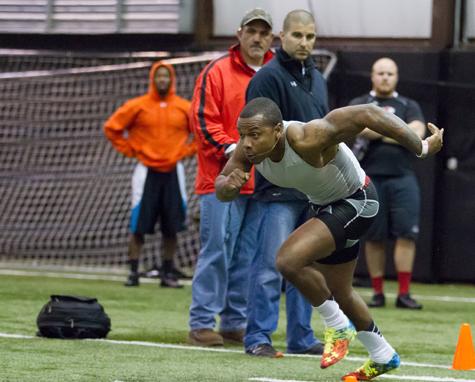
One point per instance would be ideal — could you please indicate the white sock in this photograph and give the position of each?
(378, 348)
(332, 315)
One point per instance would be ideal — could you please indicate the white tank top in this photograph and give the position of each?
(338, 179)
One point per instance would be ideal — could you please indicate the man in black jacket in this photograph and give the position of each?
(291, 80)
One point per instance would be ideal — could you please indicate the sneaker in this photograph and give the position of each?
(316, 349)
(405, 301)
(132, 280)
(205, 337)
(371, 369)
(233, 336)
(170, 281)
(264, 350)
(377, 301)
(336, 344)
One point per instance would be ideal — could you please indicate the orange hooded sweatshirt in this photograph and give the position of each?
(153, 129)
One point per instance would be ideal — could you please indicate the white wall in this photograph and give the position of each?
(470, 19)
(337, 18)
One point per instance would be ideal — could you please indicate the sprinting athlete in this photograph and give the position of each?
(319, 257)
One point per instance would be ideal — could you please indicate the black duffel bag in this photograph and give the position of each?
(73, 317)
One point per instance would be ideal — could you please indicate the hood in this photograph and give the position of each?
(152, 89)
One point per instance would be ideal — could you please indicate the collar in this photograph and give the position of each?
(394, 94)
(291, 63)
(237, 59)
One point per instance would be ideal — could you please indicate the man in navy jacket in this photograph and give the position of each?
(292, 81)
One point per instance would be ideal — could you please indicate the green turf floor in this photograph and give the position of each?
(159, 316)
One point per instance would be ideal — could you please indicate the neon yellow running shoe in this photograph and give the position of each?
(336, 344)
(371, 369)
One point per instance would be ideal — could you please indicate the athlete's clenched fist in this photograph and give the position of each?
(236, 179)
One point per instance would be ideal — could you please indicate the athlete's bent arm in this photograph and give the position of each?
(346, 122)
(234, 175)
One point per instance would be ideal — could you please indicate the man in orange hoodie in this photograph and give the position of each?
(154, 129)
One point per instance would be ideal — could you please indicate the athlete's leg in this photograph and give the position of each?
(335, 227)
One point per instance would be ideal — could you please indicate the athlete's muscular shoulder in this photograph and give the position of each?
(310, 142)
(294, 132)
(308, 136)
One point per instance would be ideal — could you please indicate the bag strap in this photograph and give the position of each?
(58, 298)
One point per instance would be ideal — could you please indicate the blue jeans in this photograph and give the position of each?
(220, 282)
(278, 220)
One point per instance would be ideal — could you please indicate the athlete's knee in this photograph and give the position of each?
(284, 264)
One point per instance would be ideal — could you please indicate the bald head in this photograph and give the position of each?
(384, 77)
(298, 16)
(298, 37)
(385, 63)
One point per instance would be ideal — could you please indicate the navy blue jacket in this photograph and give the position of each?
(300, 95)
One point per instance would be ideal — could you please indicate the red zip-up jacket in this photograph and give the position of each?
(151, 128)
(219, 96)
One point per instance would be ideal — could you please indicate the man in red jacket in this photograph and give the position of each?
(220, 282)
(154, 128)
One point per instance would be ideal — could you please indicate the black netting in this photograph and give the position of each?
(65, 190)
(34, 60)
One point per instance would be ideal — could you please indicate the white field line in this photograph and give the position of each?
(386, 376)
(263, 379)
(84, 276)
(216, 350)
(79, 276)
(424, 378)
(426, 298)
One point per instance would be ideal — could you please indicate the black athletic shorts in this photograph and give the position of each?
(158, 196)
(348, 220)
(399, 208)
